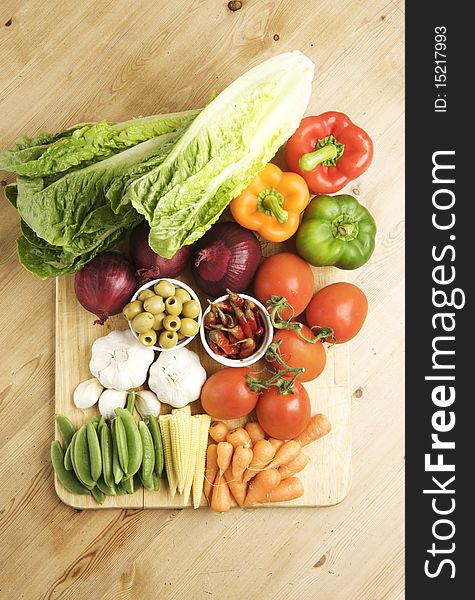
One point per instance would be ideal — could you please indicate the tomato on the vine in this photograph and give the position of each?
(284, 416)
(297, 353)
(341, 306)
(226, 395)
(287, 275)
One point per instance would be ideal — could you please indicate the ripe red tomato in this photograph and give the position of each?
(298, 353)
(226, 395)
(288, 275)
(284, 416)
(341, 306)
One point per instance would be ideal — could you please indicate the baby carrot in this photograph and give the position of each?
(318, 426)
(276, 443)
(263, 453)
(242, 458)
(224, 456)
(255, 431)
(211, 469)
(288, 489)
(237, 488)
(218, 431)
(295, 466)
(286, 453)
(238, 437)
(262, 484)
(221, 499)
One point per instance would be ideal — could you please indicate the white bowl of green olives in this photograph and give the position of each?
(164, 314)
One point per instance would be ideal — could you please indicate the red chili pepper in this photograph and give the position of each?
(224, 305)
(251, 319)
(210, 320)
(219, 338)
(223, 317)
(248, 347)
(329, 151)
(250, 304)
(235, 331)
(243, 322)
(235, 299)
(215, 348)
(259, 331)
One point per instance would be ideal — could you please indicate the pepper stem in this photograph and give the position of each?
(270, 202)
(327, 152)
(346, 229)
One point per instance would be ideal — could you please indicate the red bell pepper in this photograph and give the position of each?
(329, 151)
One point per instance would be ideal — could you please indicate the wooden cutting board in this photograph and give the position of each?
(326, 478)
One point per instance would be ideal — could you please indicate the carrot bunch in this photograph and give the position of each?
(244, 465)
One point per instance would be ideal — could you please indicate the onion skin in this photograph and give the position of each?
(105, 285)
(151, 265)
(227, 256)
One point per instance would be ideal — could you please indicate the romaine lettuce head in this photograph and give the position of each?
(229, 142)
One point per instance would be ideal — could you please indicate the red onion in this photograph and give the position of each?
(105, 285)
(227, 256)
(151, 265)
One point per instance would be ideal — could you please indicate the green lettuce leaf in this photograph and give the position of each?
(73, 211)
(85, 145)
(229, 142)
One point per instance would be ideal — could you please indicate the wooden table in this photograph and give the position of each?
(69, 61)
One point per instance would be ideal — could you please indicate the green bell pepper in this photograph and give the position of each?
(338, 231)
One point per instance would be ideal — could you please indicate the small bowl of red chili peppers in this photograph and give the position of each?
(236, 330)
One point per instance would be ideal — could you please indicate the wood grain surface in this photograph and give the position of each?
(327, 477)
(66, 62)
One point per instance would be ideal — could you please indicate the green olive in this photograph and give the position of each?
(168, 339)
(149, 338)
(132, 309)
(144, 294)
(182, 294)
(191, 309)
(173, 305)
(142, 322)
(154, 305)
(180, 336)
(188, 327)
(172, 323)
(158, 321)
(164, 288)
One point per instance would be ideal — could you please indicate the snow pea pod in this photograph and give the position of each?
(148, 455)
(158, 446)
(105, 489)
(99, 496)
(147, 483)
(81, 461)
(68, 465)
(94, 448)
(131, 402)
(66, 428)
(127, 485)
(100, 425)
(67, 478)
(156, 481)
(134, 442)
(106, 454)
(117, 471)
(122, 446)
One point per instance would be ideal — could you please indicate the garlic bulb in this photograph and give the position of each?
(147, 403)
(87, 393)
(177, 377)
(119, 361)
(109, 400)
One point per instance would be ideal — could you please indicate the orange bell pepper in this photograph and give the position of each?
(272, 203)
